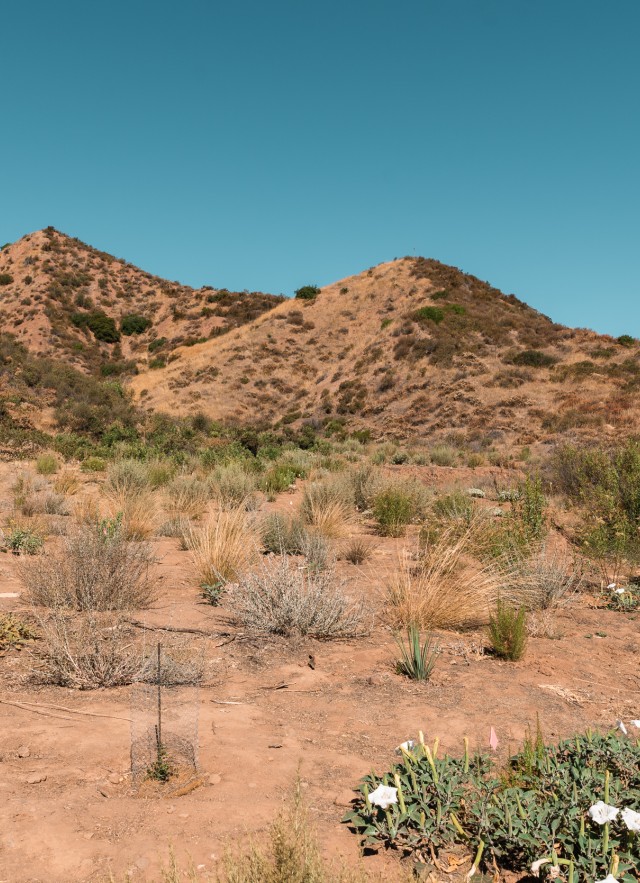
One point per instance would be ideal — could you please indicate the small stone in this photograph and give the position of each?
(88, 835)
(304, 784)
(344, 798)
(476, 492)
(115, 778)
(183, 815)
(200, 867)
(215, 779)
(36, 778)
(24, 751)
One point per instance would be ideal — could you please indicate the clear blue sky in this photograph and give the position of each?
(266, 145)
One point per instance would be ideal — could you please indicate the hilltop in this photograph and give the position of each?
(408, 349)
(64, 299)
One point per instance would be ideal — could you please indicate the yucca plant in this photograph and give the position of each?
(417, 658)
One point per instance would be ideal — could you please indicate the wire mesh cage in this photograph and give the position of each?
(164, 722)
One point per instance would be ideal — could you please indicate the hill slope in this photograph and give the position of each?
(408, 349)
(65, 299)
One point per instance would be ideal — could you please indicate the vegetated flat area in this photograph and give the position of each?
(271, 706)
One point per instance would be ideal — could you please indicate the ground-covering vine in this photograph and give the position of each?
(569, 811)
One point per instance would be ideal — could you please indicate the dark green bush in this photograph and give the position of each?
(102, 327)
(533, 359)
(6, 278)
(307, 292)
(429, 314)
(626, 340)
(393, 509)
(134, 324)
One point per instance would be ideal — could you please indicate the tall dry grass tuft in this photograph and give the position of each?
(186, 496)
(138, 509)
(444, 588)
(325, 508)
(223, 547)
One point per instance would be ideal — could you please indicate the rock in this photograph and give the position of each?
(142, 863)
(344, 798)
(215, 779)
(24, 751)
(36, 778)
(115, 778)
(476, 492)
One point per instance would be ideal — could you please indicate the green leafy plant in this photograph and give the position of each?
(14, 632)
(212, 592)
(508, 631)
(393, 509)
(23, 540)
(46, 464)
(417, 658)
(535, 809)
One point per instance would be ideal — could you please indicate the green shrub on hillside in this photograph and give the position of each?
(307, 292)
(102, 327)
(6, 279)
(134, 324)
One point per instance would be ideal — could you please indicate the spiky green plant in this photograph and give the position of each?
(417, 657)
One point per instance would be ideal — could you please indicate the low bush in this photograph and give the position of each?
(134, 324)
(14, 632)
(86, 652)
(232, 485)
(283, 598)
(307, 292)
(93, 464)
(22, 540)
(393, 510)
(444, 455)
(95, 568)
(186, 496)
(508, 631)
(533, 359)
(47, 464)
(137, 511)
(324, 508)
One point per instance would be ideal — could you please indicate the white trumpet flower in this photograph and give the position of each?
(384, 796)
(602, 812)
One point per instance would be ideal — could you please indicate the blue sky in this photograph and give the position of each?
(270, 145)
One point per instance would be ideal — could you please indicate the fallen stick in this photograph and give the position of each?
(171, 628)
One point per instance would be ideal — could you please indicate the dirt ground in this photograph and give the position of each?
(268, 708)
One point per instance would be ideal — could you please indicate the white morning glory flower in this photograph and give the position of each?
(620, 725)
(602, 812)
(608, 879)
(384, 796)
(619, 591)
(535, 867)
(631, 818)
(636, 724)
(407, 746)
(611, 586)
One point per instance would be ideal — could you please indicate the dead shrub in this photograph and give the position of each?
(86, 652)
(542, 579)
(284, 598)
(325, 508)
(357, 551)
(94, 568)
(223, 547)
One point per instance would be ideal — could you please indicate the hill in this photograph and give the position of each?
(64, 299)
(407, 349)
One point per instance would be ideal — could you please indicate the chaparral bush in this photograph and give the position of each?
(567, 811)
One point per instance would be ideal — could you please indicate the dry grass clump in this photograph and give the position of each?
(542, 578)
(357, 551)
(444, 588)
(284, 598)
(86, 510)
(94, 568)
(232, 486)
(86, 652)
(66, 483)
(138, 511)
(292, 856)
(325, 508)
(223, 546)
(186, 496)
(126, 476)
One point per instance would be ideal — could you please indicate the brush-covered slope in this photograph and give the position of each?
(409, 348)
(67, 300)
